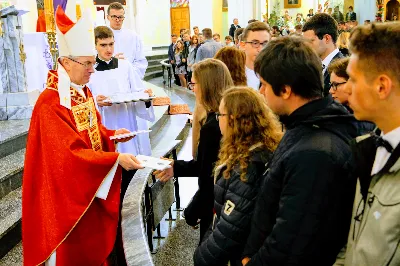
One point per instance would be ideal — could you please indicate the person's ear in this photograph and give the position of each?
(286, 92)
(384, 86)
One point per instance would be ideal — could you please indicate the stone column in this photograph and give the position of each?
(15, 101)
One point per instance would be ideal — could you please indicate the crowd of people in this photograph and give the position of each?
(295, 145)
(295, 140)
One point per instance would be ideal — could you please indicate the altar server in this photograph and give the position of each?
(128, 45)
(115, 78)
(72, 178)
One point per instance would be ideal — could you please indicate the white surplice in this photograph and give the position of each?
(132, 116)
(130, 44)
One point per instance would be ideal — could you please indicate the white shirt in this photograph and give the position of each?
(130, 44)
(328, 60)
(382, 155)
(132, 116)
(252, 80)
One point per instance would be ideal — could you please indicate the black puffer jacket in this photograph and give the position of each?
(303, 213)
(234, 202)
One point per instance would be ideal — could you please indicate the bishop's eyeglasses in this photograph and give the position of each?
(87, 65)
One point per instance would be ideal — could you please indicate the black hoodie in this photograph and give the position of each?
(303, 213)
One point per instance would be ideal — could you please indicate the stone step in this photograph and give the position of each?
(159, 57)
(10, 221)
(154, 68)
(11, 170)
(152, 75)
(154, 62)
(13, 134)
(14, 257)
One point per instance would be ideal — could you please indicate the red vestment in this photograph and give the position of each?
(67, 160)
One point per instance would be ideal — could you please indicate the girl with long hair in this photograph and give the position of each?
(251, 133)
(180, 62)
(235, 60)
(210, 79)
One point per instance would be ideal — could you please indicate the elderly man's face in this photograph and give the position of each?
(79, 68)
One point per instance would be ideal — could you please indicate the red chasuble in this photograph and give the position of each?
(68, 157)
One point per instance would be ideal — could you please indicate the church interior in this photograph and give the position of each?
(153, 228)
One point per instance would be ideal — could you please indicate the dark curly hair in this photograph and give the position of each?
(322, 24)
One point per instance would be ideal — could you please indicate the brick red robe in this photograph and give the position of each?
(64, 168)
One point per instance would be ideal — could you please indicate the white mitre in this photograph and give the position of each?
(74, 39)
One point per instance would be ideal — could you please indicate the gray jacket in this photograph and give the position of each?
(374, 236)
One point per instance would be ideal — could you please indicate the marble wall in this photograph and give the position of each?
(16, 102)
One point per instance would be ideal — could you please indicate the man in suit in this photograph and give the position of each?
(351, 15)
(171, 57)
(234, 27)
(321, 31)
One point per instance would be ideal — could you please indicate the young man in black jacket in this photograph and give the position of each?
(303, 213)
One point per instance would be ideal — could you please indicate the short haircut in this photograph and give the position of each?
(351, 7)
(322, 24)
(207, 32)
(367, 21)
(174, 35)
(252, 20)
(377, 47)
(298, 27)
(339, 67)
(275, 27)
(195, 27)
(229, 38)
(342, 23)
(237, 33)
(102, 32)
(217, 34)
(116, 6)
(289, 61)
(255, 26)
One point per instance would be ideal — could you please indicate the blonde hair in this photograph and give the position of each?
(213, 78)
(343, 40)
(250, 122)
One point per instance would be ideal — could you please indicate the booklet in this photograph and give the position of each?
(127, 135)
(154, 163)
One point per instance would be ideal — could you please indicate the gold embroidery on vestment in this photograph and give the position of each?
(86, 119)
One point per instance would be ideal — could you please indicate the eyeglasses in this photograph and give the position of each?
(190, 85)
(217, 115)
(114, 17)
(87, 65)
(335, 85)
(256, 44)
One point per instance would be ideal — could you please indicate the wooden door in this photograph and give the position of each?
(180, 19)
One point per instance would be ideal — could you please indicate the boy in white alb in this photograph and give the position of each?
(254, 37)
(115, 78)
(128, 45)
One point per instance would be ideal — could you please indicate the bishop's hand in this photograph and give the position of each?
(166, 174)
(129, 162)
(100, 101)
(123, 131)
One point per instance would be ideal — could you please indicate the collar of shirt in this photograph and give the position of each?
(79, 88)
(382, 155)
(393, 137)
(329, 58)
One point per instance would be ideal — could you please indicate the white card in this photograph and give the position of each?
(154, 163)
